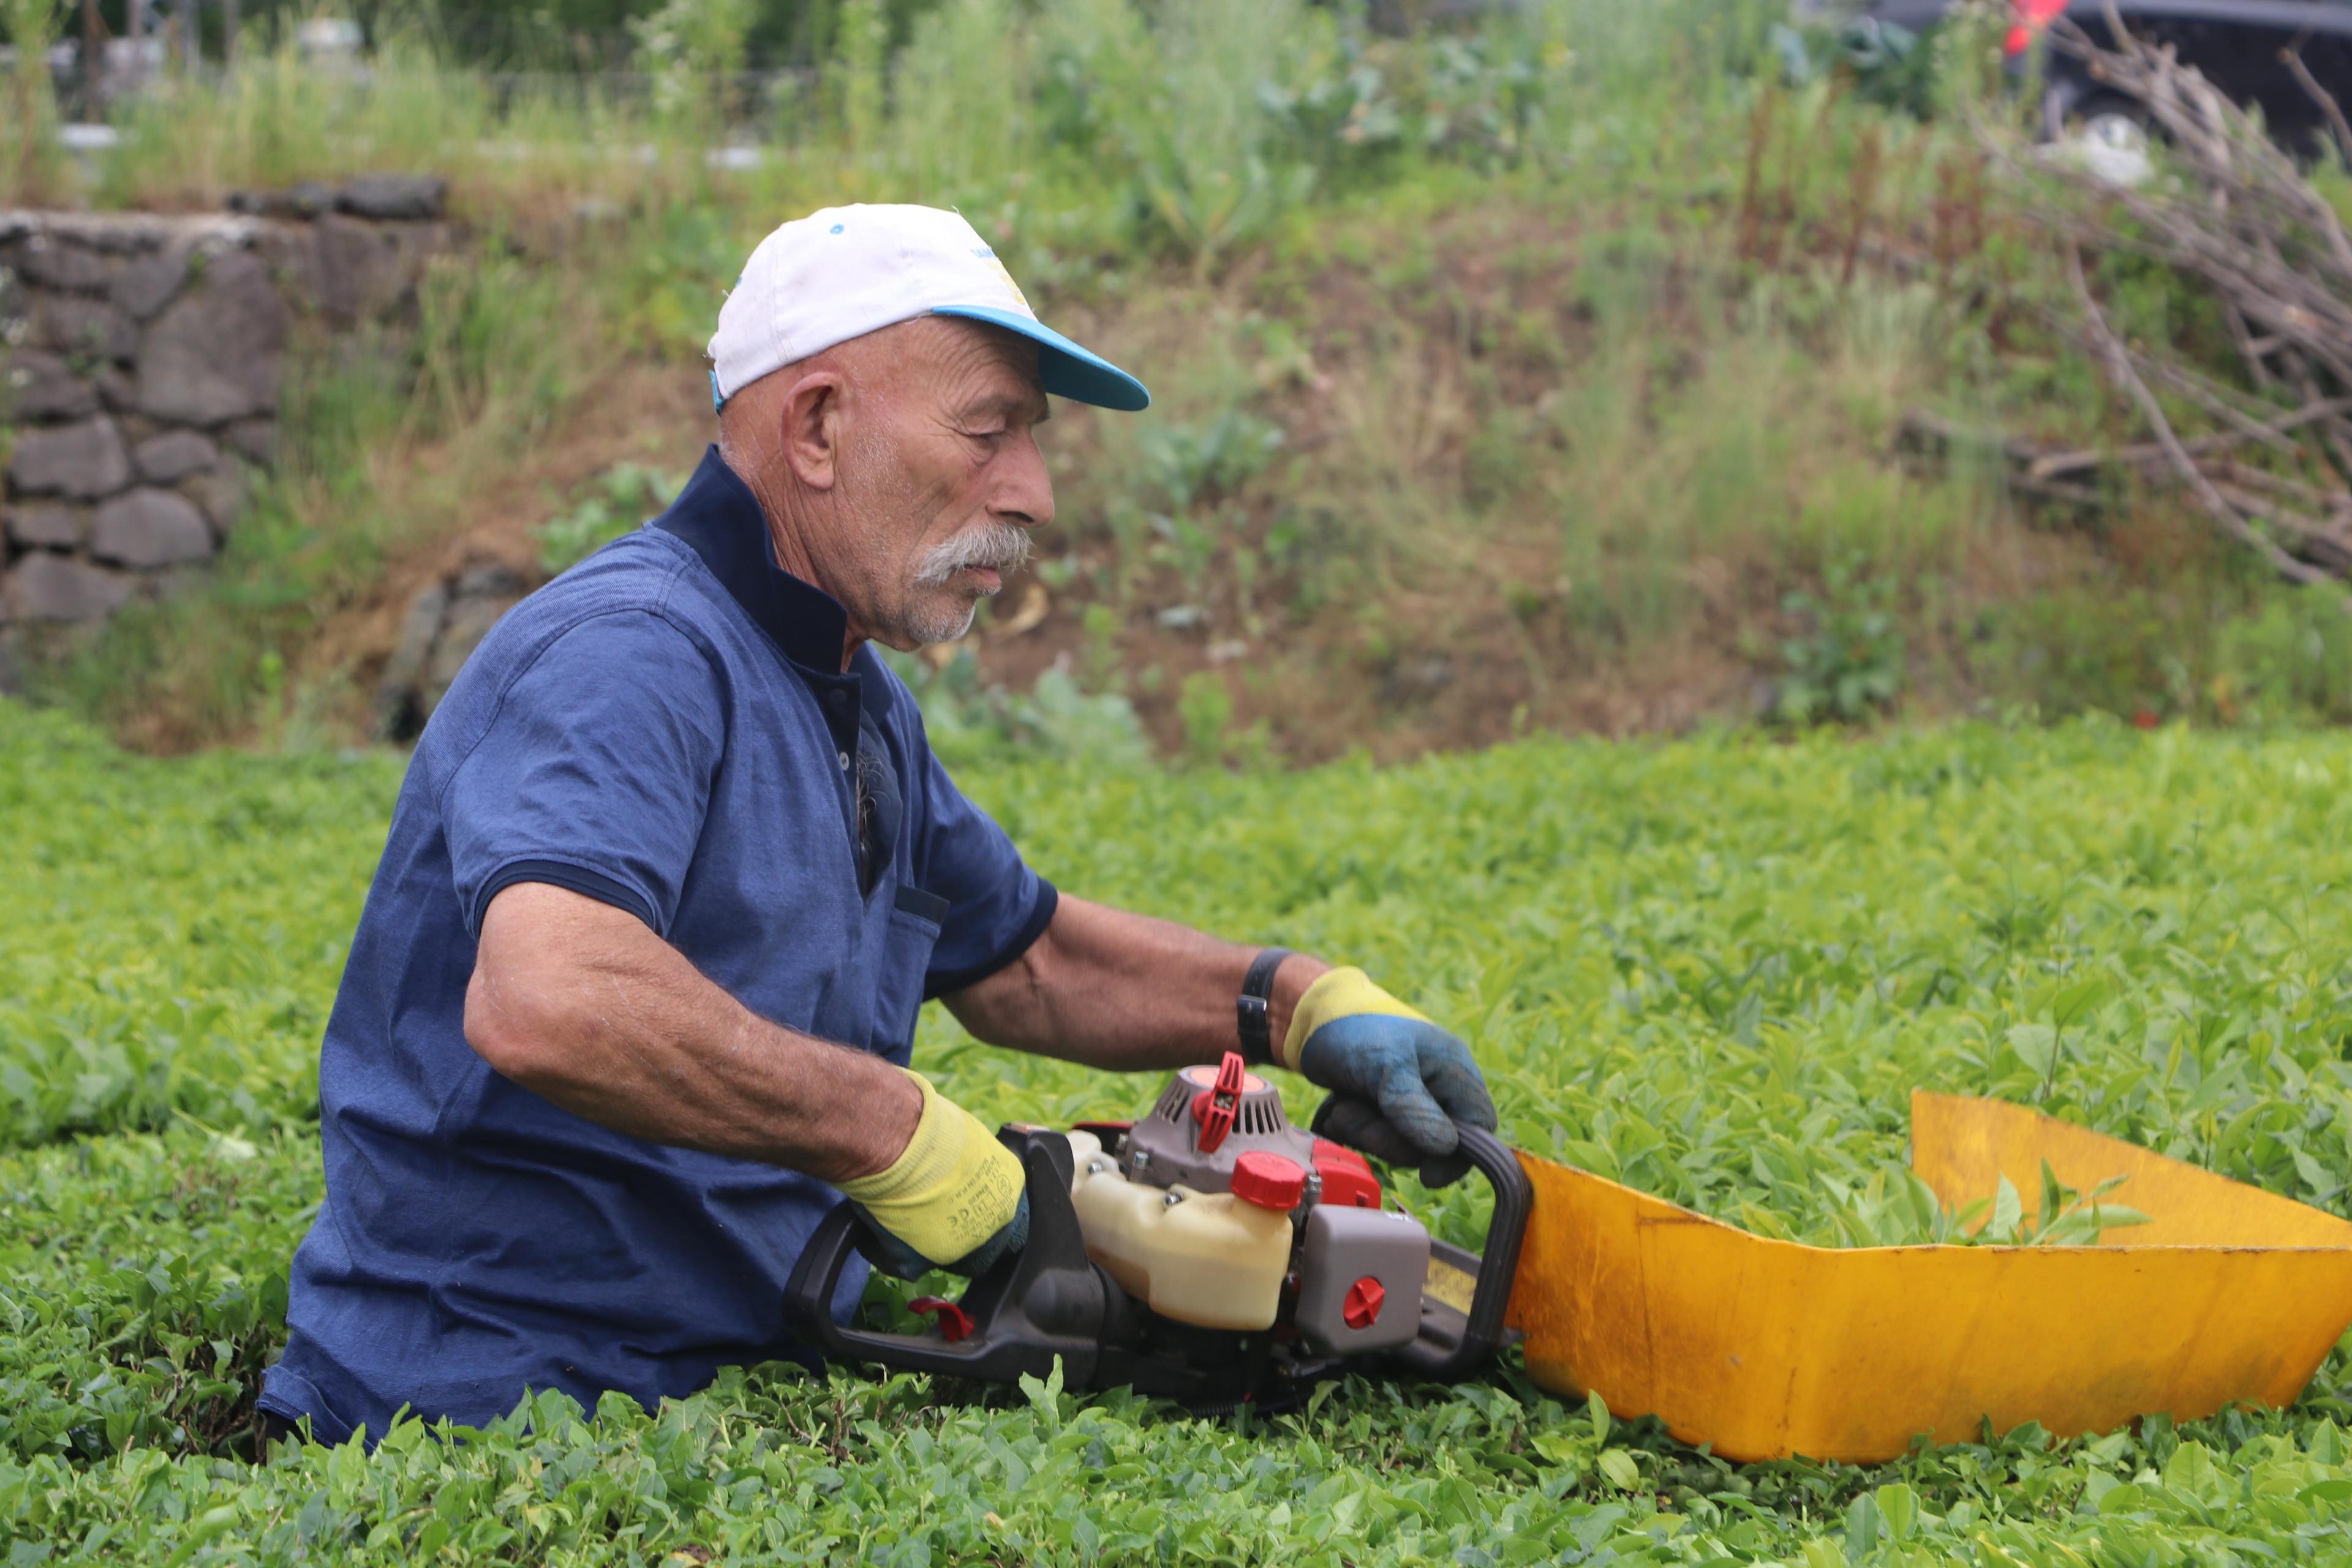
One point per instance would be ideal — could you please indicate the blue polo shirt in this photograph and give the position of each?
(667, 728)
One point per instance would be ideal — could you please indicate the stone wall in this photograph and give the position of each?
(144, 359)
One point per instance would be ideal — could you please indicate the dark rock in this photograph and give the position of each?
(489, 580)
(150, 528)
(168, 459)
(45, 587)
(303, 199)
(85, 460)
(43, 387)
(1416, 681)
(116, 390)
(51, 265)
(213, 355)
(395, 197)
(396, 703)
(355, 270)
(44, 525)
(349, 270)
(148, 284)
(469, 621)
(256, 440)
(220, 493)
(87, 328)
(114, 233)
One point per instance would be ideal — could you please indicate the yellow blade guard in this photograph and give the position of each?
(1765, 1349)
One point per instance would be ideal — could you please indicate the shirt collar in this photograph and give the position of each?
(718, 515)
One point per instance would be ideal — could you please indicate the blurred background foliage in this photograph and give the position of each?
(1551, 367)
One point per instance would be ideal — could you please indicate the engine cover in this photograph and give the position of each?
(1361, 1273)
(1355, 1271)
(1164, 1149)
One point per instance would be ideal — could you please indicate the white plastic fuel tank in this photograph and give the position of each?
(1206, 1258)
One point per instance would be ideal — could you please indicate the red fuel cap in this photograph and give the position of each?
(1268, 1180)
(1361, 1309)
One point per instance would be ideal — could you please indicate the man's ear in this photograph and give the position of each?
(811, 417)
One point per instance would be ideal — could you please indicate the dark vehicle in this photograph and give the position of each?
(2239, 45)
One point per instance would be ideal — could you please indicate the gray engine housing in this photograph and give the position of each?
(1159, 1147)
(1343, 1245)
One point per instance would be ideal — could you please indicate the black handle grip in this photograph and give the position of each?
(1046, 1301)
(1483, 1334)
(808, 1307)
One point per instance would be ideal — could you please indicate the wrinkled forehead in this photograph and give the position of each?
(959, 366)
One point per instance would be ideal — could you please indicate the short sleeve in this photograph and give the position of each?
(995, 906)
(595, 772)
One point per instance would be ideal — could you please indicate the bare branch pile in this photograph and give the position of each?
(2271, 459)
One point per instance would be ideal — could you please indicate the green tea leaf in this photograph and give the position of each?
(2008, 1213)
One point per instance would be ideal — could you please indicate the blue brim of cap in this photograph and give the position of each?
(1067, 371)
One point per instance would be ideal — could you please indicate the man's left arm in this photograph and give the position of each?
(1125, 992)
(1128, 993)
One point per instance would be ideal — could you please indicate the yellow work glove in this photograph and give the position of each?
(954, 1199)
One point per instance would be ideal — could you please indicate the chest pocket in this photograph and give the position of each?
(912, 931)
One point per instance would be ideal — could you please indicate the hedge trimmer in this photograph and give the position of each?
(1208, 1252)
(1211, 1253)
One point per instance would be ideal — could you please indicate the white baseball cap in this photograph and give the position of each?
(843, 272)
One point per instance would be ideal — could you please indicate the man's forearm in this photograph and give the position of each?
(581, 1003)
(1124, 991)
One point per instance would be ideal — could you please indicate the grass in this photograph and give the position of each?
(1712, 968)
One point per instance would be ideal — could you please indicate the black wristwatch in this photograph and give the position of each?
(1251, 1005)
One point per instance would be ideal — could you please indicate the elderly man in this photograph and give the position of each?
(631, 999)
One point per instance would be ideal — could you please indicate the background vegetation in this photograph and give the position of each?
(1549, 372)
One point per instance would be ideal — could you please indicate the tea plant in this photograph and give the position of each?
(1713, 969)
(1896, 1208)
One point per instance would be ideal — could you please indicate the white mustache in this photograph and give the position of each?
(998, 544)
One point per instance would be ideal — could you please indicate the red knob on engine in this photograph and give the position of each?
(1269, 1180)
(1362, 1307)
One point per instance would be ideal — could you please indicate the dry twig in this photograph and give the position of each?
(2232, 212)
(2119, 365)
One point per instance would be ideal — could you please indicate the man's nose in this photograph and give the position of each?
(1024, 490)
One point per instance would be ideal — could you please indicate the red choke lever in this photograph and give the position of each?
(1214, 1109)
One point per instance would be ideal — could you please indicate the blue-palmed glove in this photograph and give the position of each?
(1398, 1082)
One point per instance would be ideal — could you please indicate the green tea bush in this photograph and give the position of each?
(145, 1288)
(1712, 968)
(172, 930)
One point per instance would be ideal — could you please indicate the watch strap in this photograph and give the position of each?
(1251, 1008)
